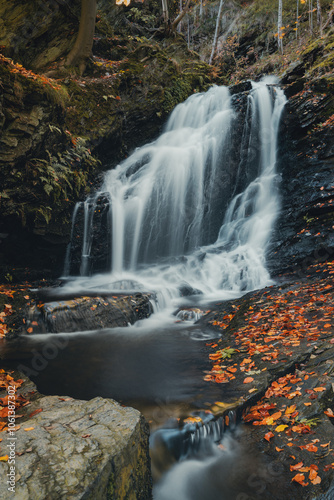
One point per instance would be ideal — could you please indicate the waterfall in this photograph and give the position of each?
(196, 207)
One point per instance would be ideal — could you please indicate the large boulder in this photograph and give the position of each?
(72, 449)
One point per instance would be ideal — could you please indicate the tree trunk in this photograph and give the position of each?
(179, 28)
(319, 17)
(280, 26)
(297, 20)
(82, 48)
(165, 11)
(215, 40)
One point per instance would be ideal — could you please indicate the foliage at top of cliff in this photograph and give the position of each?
(248, 35)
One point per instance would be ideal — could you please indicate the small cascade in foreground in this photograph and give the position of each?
(205, 458)
(193, 210)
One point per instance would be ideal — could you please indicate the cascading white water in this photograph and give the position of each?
(250, 217)
(157, 195)
(166, 195)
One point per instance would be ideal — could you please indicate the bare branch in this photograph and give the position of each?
(329, 20)
(179, 18)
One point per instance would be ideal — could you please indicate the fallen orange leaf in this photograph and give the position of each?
(290, 409)
(299, 478)
(313, 474)
(268, 436)
(215, 355)
(248, 380)
(310, 447)
(297, 466)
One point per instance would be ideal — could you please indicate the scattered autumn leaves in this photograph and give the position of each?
(7, 292)
(279, 323)
(286, 320)
(312, 470)
(7, 380)
(18, 68)
(20, 401)
(6, 312)
(7, 309)
(287, 424)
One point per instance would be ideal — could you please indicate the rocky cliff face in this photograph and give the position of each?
(304, 231)
(57, 136)
(40, 168)
(36, 33)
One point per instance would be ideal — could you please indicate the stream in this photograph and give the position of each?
(188, 218)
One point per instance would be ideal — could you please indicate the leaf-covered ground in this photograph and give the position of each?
(275, 359)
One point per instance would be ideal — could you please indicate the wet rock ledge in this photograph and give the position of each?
(40, 312)
(72, 449)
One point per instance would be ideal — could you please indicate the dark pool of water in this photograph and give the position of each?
(145, 367)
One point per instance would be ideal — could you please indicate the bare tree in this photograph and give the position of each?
(319, 17)
(215, 40)
(165, 11)
(280, 27)
(310, 14)
(179, 28)
(297, 19)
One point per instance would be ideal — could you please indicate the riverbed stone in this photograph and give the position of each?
(76, 449)
(89, 313)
